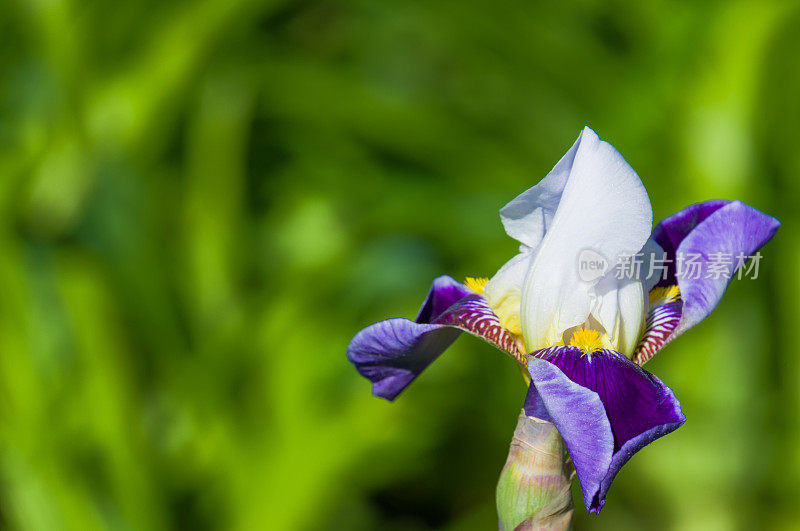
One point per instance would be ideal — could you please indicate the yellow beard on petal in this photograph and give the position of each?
(476, 284)
(587, 340)
(589, 336)
(663, 295)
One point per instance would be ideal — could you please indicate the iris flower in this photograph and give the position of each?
(582, 335)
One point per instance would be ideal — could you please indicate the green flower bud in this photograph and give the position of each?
(534, 488)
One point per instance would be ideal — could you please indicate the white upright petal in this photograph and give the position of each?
(619, 306)
(603, 207)
(632, 301)
(504, 291)
(527, 217)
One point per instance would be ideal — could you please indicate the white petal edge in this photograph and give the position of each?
(527, 217)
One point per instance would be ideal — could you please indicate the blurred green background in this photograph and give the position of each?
(202, 201)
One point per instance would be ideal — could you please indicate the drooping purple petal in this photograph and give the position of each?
(392, 353)
(605, 407)
(581, 420)
(708, 234)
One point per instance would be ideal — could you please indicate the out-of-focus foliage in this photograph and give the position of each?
(202, 200)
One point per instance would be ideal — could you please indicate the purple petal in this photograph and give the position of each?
(670, 231)
(605, 407)
(581, 420)
(444, 292)
(392, 353)
(703, 230)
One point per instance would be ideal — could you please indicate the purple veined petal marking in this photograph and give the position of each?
(392, 353)
(605, 407)
(472, 314)
(662, 319)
